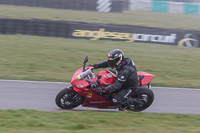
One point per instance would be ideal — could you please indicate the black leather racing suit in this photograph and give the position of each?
(126, 82)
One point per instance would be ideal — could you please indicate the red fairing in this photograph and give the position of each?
(107, 78)
(82, 84)
(93, 100)
(147, 78)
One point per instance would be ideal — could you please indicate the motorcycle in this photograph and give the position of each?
(81, 90)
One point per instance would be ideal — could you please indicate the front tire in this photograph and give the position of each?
(139, 94)
(68, 99)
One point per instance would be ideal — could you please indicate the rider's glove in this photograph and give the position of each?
(100, 90)
(94, 65)
(95, 84)
(90, 65)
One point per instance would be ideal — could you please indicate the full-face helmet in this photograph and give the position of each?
(115, 58)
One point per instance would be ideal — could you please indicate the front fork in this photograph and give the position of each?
(77, 97)
(149, 85)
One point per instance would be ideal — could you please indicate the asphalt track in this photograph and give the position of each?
(15, 94)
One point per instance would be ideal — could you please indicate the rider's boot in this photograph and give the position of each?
(122, 107)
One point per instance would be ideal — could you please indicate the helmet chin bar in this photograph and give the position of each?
(113, 66)
(120, 60)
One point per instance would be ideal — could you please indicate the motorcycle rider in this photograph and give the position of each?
(127, 81)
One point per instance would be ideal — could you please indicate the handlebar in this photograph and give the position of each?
(87, 75)
(84, 74)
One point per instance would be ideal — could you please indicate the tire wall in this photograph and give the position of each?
(95, 31)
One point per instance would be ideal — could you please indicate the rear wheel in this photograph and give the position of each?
(145, 98)
(68, 99)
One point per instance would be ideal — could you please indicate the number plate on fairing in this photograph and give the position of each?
(109, 75)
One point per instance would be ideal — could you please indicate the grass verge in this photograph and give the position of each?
(149, 19)
(56, 59)
(22, 121)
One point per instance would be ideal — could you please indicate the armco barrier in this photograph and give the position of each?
(95, 31)
(89, 5)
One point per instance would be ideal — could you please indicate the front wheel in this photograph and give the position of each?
(145, 98)
(68, 99)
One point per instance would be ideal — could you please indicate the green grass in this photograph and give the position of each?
(56, 59)
(150, 19)
(22, 121)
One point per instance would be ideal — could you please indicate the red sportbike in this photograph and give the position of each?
(81, 90)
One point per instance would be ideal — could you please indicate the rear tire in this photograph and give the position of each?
(68, 99)
(143, 91)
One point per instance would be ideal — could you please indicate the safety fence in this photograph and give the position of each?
(89, 5)
(95, 31)
(165, 6)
